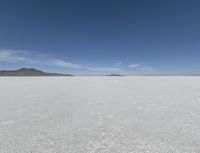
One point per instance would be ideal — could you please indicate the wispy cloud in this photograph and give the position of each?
(11, 56)
(26, 57)
(133, 65)
(118, 64)
(17, 56)
(61, 63)
(141, 69)
(147, 69)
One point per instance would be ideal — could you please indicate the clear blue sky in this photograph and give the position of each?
(101, 36)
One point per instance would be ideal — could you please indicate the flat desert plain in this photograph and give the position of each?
(100, 114)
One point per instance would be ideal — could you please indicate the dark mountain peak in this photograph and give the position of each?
(25, 69)
(29, 72)
(116, 74)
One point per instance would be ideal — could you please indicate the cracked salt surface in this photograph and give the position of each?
(100, 115)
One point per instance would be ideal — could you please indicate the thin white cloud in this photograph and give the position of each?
(11, 56)
(118, 64)
(16, 56)
(61, 63)
(133, 65)
(141, 69)
(147, 69)
(25, 57)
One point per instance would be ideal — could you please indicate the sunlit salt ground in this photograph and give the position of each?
(100, 115)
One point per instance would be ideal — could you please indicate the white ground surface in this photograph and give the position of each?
(100, 115)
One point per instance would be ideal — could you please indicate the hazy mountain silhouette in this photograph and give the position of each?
(114, 74)
(29, 72)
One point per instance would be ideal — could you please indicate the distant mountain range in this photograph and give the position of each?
(35, 72)
(115, 75)
(29, 72)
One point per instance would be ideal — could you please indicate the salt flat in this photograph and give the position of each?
(100, 115)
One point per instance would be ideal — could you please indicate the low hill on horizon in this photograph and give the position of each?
(29, 72)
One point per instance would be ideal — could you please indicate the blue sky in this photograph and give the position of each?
(101, 36)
